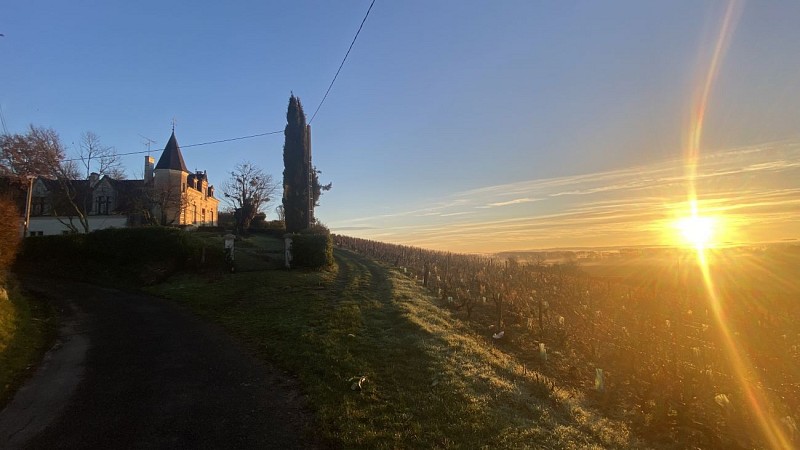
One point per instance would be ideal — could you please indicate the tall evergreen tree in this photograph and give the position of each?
(298, 209)
(295, 168)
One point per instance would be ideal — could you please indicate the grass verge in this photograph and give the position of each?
(27, 326)
(431, 382)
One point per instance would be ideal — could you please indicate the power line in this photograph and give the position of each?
(269, 132)
(196, 145)
(233, 139)
(342, 64)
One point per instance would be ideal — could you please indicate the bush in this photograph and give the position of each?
(211, 229)
(275, 225)
(137, 255)
(317, 228)
(259, 221)
(63, 255)
(274, 228)
(9, 233)
(226, 220)
(313, 251)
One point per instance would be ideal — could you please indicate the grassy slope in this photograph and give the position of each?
(25, 330)
(430, 381)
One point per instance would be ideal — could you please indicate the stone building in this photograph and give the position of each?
(168, 195)
(179, 197)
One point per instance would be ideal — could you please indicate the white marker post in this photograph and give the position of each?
(287, 242)
(229, 247)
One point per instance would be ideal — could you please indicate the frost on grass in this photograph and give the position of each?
(528, 408)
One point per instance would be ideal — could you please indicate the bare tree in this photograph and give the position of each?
(248, 191)
(73, 199)
(163, 205)
(102, 158)
(38, 152)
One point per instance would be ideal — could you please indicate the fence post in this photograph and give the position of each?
(599, 380)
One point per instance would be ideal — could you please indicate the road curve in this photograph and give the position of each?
(133, 371)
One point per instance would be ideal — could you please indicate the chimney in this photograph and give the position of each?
(149, 164)
(94, 178)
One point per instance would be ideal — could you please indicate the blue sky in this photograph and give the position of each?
(438, 100)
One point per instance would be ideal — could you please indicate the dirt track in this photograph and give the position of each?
(132, 371)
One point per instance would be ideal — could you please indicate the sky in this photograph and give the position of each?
(467, 126)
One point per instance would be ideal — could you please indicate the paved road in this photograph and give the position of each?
(132, 371)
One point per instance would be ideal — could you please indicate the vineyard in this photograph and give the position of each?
(652, 354)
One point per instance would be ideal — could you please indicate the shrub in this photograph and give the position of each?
(63, 255)
(276, 225)
(138, 255)
(313, 251)
(226, 220)
(317, 228)
(274, 228)
(125, 246)
(9, 233)
(259, 221)
(211, 229)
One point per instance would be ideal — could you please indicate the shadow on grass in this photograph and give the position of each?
(430, 382)
(406, 399)
(474, 394)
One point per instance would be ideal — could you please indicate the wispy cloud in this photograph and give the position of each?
(461, 213)
(757, 188)
(516, 201)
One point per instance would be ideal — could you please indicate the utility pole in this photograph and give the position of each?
(310, 178)
(28, 206)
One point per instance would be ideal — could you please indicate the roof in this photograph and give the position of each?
(171, 158)
(130, 195)
(66, 195)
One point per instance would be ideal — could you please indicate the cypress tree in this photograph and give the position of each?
(295, 168)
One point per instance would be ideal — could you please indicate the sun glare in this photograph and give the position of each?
(697, 231)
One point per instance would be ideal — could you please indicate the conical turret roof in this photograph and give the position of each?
(171, 158)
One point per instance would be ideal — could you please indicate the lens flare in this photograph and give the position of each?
(699, 230)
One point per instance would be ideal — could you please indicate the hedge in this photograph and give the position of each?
(139, 255)
(312, 251)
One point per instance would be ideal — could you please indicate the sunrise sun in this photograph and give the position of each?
(697, 231)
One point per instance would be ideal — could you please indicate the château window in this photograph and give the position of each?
(102, 204)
